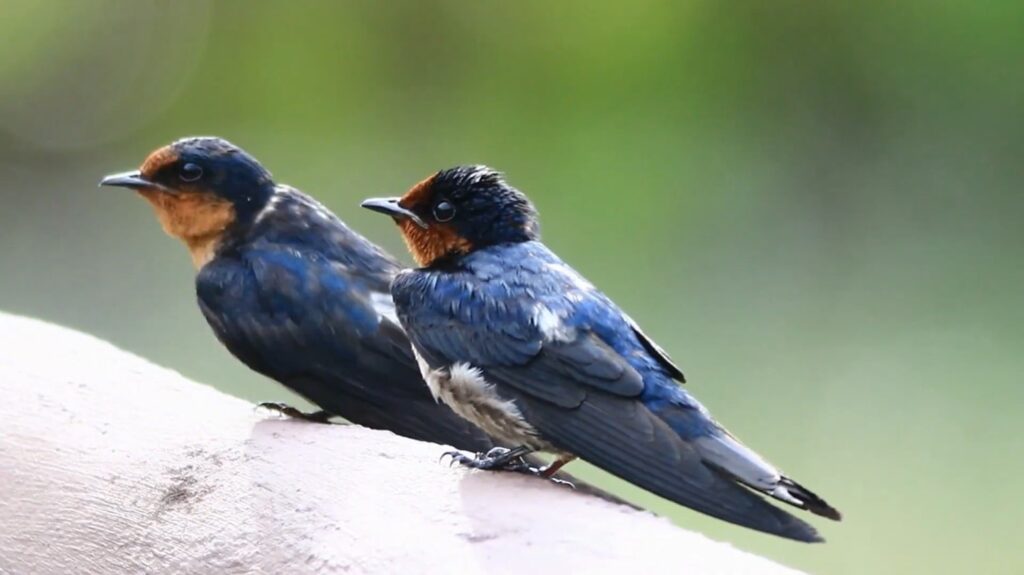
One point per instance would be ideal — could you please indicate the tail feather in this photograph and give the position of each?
(622, 437)
(727, 455)
(789, 490)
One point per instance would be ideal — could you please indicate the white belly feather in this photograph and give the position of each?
(463, 388)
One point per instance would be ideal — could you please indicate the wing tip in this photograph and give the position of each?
(801, 531)
(809, 501)
(763, 516)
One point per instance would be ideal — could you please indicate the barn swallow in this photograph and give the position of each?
(295, 294)
(519, 343)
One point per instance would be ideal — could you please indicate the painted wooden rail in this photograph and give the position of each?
(110, 464)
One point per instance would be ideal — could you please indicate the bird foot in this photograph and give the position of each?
(503, 459)
(294, 413)
(497, 459)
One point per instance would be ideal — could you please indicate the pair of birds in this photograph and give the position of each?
(518, 352)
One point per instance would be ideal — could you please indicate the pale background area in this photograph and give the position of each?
(816, 209)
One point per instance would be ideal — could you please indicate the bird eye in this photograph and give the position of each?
(444, 211)
(190, 172)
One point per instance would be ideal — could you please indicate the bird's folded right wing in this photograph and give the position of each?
(621, 436)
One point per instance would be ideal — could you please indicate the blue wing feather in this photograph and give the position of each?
(583, 374)
(494, 310)
(297, 300)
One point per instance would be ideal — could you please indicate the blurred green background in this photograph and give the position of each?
(816, 208)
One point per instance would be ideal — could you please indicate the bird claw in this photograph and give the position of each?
(558, 481)
(455, 455)
(273, 407)
(294, 413)
(496, 459)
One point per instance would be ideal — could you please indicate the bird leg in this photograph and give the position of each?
(294, 413)
(548, 471)
(497, 459)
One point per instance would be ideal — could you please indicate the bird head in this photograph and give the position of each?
(458, 210)
(199, 188)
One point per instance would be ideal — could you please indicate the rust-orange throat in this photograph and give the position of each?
(438, 239)
(195, 216)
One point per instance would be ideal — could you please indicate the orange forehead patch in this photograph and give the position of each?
(418, 195)
(158, 159)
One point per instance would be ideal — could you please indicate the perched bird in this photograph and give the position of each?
(516, 341)
(295, 294)
(291, 291)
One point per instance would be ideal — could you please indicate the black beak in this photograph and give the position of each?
(131, 179)
(390, 207)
